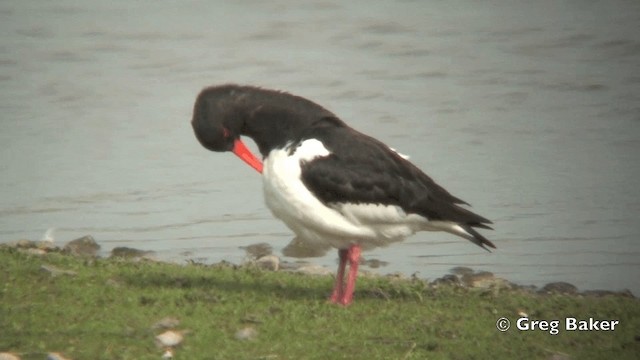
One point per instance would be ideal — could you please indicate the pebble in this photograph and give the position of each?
(8, 356)
(560, 287)
(461, 270)
(34, 251)
(299, 249)
(248, 333)
(601, 293)
(25, 244)
(483, 280)
(30, 247)
(373, 263)
(56, 356)
(449, 280)
(396, 276)
(559, 356)
(268, 262)
(54, 271)
(47, 246)
(256, 251)
(130, 253)
(168, 354)
(85, 246)
(170, 338)
(313, 270)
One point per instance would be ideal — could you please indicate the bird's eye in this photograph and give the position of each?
(226, 133)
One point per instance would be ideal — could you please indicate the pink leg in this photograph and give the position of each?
(338, 287)
(353, 255)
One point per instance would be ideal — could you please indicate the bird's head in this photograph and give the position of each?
(217, 125)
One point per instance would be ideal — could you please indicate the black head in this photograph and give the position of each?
(271, 118)
(216, 121)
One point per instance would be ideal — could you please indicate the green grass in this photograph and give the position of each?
(107, 310)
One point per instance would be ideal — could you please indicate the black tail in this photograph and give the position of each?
(478, 238)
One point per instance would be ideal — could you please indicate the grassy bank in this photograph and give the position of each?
(107, 308)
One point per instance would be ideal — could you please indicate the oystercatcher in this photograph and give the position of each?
(330, 184)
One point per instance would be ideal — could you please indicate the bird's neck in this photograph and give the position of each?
(272, 129)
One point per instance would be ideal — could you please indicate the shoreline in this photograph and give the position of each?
(261, 255)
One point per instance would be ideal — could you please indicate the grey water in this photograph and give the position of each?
(528, 110)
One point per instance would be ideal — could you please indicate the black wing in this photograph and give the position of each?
(363, 170)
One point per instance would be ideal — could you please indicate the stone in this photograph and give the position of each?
(54, 271)
(56, 356)
(397, 275)
(373, 263)
(25, 244)
(461, 270)
(129, 253)
(8, 356)
(560, 287)
(47, 246)
(312, 269)
(170, 338)
(559, 356)
(85, 246)
(256, 251)
(599, 293)
(34, 251)
(476, 279)
(268, 262)
(245, 334)
(301, 249)
(447, 280)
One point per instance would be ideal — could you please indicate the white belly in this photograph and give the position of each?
(336, 225)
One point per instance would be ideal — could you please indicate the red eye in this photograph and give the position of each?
(226, 133)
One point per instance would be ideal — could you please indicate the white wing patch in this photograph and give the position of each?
(309, 150)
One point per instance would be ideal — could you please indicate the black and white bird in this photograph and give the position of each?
(330, 184)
